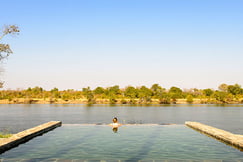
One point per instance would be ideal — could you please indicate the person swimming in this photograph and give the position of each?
(115, 123)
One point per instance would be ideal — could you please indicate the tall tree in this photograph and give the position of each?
(5, 49)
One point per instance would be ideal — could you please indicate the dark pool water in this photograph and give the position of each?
(130, 143)
(15, 118)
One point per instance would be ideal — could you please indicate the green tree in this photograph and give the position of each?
(189, 99)
(113, 93)
(35, 92)
(175, 90)
(114, 90)
(99, 91)
(165, 98)
(235, 89)
(157, 90)
(220, 96)
(55, 93)
(131, 92)
(229, 98)
(144, 94)
(175, 93)
(54, 90)
(208, 92)
(66, 96)
(89, 95)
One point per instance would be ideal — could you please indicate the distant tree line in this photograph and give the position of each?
(132, 95)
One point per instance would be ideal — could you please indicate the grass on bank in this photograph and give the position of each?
(5, 135)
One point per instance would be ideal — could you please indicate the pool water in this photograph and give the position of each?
(129, 143)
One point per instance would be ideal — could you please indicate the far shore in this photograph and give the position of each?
(107, 101)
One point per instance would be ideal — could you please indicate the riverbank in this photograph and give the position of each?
(230, 94)
(113, 101)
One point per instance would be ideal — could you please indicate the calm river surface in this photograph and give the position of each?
(15, 118)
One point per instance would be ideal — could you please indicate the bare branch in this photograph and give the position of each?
(1, 84)
(5, 50)
(11, 29)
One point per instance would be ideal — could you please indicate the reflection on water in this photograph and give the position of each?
(115, 129)
(19, 117)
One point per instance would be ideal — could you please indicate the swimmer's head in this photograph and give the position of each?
(115, 120)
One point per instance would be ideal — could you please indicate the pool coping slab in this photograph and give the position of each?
(234, 140)
(24, 136)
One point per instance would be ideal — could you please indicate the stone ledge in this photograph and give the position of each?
(21, 137)
(227, 137)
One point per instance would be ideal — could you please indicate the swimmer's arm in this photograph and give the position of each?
(119, 124)
(111, 124)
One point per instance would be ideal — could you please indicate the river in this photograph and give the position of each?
(15, 118)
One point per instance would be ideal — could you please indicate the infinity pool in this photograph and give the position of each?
(129, 143)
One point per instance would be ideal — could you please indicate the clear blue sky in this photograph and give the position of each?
(73, 44)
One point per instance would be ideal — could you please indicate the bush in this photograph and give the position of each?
(189, 99)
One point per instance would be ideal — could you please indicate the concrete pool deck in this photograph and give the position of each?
(227, 137)
(21, 137)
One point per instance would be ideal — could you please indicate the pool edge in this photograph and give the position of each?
(26, 135)
(231, 139)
